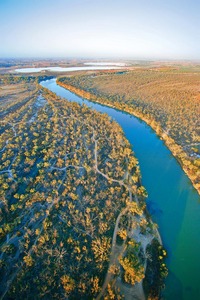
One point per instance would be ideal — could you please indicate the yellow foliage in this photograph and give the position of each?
(68, 284)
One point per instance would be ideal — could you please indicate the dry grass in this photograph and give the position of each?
(10, 93)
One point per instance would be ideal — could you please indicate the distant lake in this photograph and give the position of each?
(70, 69)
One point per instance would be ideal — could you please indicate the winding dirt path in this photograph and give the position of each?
(116, 251)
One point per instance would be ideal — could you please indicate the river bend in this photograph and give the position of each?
(172, 201)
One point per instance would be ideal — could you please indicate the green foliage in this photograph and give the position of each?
(156, 270)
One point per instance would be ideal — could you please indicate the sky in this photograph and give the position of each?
(130, 29)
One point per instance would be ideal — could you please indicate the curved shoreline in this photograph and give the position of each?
(172, 200)
(144, 238)
(175, 149)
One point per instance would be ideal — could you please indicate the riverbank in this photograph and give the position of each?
(175, 149)
(172, 201)
(138, 240)
(151, 247)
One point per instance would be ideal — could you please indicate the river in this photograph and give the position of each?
(172, 201)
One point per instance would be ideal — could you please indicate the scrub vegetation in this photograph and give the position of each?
(164, 97)
(73, 221)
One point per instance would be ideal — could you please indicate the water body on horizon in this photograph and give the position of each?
(68, 69)
(172, 201)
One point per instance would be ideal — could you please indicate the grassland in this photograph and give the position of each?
(73, 219)
(166, 98)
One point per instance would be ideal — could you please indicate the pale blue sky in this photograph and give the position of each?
(143, 29)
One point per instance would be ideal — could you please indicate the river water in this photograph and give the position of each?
(172, 201)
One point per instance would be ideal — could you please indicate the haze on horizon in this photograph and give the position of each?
(133, 29)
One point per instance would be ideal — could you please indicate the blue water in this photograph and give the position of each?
(172, 201)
